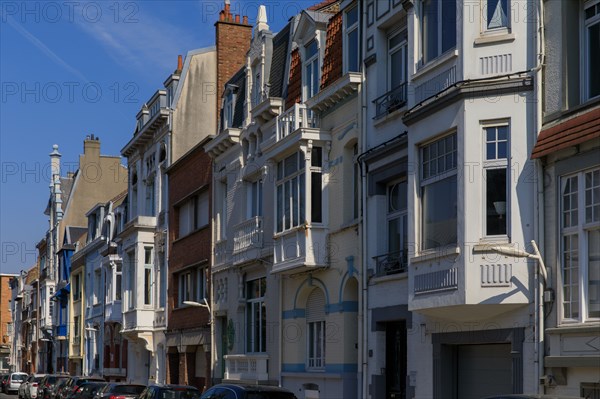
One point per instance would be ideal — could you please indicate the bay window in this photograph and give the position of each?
(312, 69)
(580, 246)
(256, 316)
(148, 275)
(495, 175)
(439, 193)
(438, 28)
(290, 192)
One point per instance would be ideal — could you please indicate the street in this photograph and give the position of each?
(5, 396)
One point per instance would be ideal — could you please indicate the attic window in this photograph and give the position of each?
(162, 155)
(229, 109)
(134, 178)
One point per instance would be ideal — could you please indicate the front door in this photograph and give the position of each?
(395, 360)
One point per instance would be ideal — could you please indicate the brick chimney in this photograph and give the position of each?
(233, 42)
(91, 148)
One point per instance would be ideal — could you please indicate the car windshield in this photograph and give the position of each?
(270, 395)
(178, 393)
(128, 389)
(37, 379)
(19, 377)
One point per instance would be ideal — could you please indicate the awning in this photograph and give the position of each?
(62, 293)
(188, 338)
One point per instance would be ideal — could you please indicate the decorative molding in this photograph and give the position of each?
(495, 64)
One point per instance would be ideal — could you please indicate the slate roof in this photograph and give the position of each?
(73, 234)
(576, 130)
(278, 62)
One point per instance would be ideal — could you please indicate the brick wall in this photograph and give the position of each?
(191, 173)
(233, 41)
(5, 315)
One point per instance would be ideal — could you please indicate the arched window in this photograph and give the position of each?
(315, 322)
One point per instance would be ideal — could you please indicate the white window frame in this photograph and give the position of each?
(229, 109)
(193, 214)
(585, 46)
(97, 286)
(491, 164)
(401, 215)
(255, 198)
(314, 64)
(485, 22)
(222, 213)
(429, 179)
(401, 47)
(439, 32)
(347, 31)
(316, 337)
(297, 178)
(581, 230)
(118, 287)
(148, 299)
(252, 340)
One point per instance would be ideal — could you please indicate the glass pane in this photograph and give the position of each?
(301, 201)
(429, 29)
(311, 49)
(352, 17)
(593, 300)
(448, 24)
(490, 151)
(316, 198)
(287, 210)
(394, 235)
(439, 213)
(496, 218)
(502, 149)
(497, 14)
(594, 60)
(396, 69)
(295, 214)
(280, 200)
(353, 51)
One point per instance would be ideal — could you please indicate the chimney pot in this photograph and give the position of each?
(179, 62)
(237, 18)
(245, 20)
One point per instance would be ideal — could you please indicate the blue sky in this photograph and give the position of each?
(72, 68)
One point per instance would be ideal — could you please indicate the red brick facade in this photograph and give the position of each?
(233, 42)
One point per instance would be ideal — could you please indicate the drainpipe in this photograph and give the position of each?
(363, 312)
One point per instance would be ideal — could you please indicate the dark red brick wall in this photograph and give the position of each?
(193, 172)
(233, 41)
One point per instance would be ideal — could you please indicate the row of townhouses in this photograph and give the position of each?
(383, 199)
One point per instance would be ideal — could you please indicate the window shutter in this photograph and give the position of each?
(315, 306)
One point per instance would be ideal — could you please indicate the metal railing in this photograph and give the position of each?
(390, 101)
(391, 263)
(295, 118)
(248, 234)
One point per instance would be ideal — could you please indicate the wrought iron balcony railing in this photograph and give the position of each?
(391, 263)
(390, 101)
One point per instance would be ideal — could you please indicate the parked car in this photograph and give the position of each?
(23, 387)
(170, 392)
(115, 390)
(4, 382)
(31, 390)
(73, 383)
(531, 396)
(58, 387)
(87, 390)
(14, 381)
(235, 391)
(48, 384)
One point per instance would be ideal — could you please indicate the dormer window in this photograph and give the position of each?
(351, 57)
(256, 86)
(312, 69)
(229, 109)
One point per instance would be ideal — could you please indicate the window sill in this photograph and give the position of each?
(435, 63)
(576, 327)
(435, 254)
(390, 277)
(494, 38)
(180, 238)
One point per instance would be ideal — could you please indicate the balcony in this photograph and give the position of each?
(248, 234)
(267, 110)
(224, 140)
(467, 287)
(138, 320)
(301, 249)
(293, 119)
(391, 101)
(247, 367)
(335, 93)
(113, 311)
(390, 263)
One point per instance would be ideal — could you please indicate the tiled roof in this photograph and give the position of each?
(295, 83)
(118, 199)
(332, 62)
(326, 6)
(278, 61)
(576, 130)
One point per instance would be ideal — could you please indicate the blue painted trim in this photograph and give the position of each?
(293, 314)
(321, 285)
(350, 262)
(345, 306)
(341, 368)
(293, 367)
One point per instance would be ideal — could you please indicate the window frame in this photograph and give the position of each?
(347, 31)
(191, 209)
(282, 181)
(423, 49)
(314, 63)
(148, 276)
(252, 303)
(485, 21)
(496, 164)
(581, 230)
(315, 363)
(448, 173)
(401, 47)
(585, 47)
(400, 214)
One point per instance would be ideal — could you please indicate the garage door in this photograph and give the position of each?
(483, 370)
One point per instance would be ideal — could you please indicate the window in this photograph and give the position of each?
(131, 283)
(397, 46)
(315, 319)
(355, 183)
(77, 287)
(580, 246)
(439, 193)
(256, 316)
(438, 28)
(290, 192)
(134, 194)
(97, 286)
(118, 282)
(150, 204)
(311, 55)
(256, 86)
(76, 326)
(351, 40)
(192, 285)
(592, 44)
(162, 296)
(397, 224)
(193, 214)
(148, 278)
(222, 215)
(495, 174)
(255, 198)
(496, 14)
(229, 109)
(316, 185)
